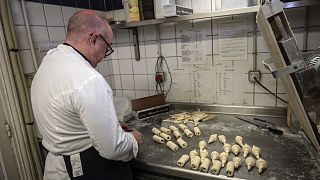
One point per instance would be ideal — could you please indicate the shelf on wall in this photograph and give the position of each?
(229, 12)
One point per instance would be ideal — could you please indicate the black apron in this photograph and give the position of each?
(95, 167)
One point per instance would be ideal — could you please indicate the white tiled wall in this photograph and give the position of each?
(48, 24)
(136, 78)
(170, 45)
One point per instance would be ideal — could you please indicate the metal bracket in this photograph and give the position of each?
(291, 53)
(294, 67)
(136, 43)
(8, 130)
(276, 73)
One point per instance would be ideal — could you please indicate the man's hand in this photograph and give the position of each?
(138, 136)
(124, 126)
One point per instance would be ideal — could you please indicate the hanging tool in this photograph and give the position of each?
(263, 126)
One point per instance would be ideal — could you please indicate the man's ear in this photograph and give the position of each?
(93, 39)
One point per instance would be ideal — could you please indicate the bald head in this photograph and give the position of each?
(89, 34)
(84, 22)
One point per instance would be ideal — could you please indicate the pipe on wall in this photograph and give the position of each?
(30, 126)
(27, 149)
(26, 22)
(11, 107)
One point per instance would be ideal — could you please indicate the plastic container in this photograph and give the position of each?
(158, 7)
(122, 105)
(131, 10)
(232, 4)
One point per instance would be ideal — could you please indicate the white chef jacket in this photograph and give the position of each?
(74, 110)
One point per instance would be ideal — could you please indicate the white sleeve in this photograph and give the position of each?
(96, 110)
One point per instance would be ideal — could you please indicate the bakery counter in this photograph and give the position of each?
(288, 156)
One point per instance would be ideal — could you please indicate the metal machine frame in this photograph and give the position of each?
(287, 60)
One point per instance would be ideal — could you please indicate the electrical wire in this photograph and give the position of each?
(159, 68)
(256, 80)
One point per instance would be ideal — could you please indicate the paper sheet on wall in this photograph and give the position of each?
(229, 86)
(193, 47)
(181, 87)
(232, 40)
(192, 85)
(203, 84)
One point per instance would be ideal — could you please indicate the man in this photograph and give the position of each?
(74, 110)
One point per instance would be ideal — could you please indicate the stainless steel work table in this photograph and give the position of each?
(288, 156)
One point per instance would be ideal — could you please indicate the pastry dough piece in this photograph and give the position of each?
(202, 145)
(183, 126)
(246, 150)
(237, 162)
(172, 146)
(193, 153)
(213, 138)
(197, 131)
(198, 116)
(195, 162)
(230, 168)
(182, 143)
(261, 165)
(156, 131)
(181, 116)
(223, 158)
(177, 134)
(203, 154)
(209, 117)
(214, 156)
(183, 160)
(158, 139)
(216, 166)
(227, 148)
(204, 167)
(256, 151)
(235, 149)
(165, 130)
(250, 162)
(187, 132)
(173, 128)
(222, 139)
(239, 140)
(165, 136)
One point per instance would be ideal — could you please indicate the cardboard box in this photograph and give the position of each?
(185, 3)
(131, 10)
(147, 102)
(159, 6)
(175, 10)
(146, 10)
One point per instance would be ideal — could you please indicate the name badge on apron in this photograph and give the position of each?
(76, 165)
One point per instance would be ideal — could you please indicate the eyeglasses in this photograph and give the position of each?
(109, 49)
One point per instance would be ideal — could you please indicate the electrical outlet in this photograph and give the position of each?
(253, 74)
(160, 77)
